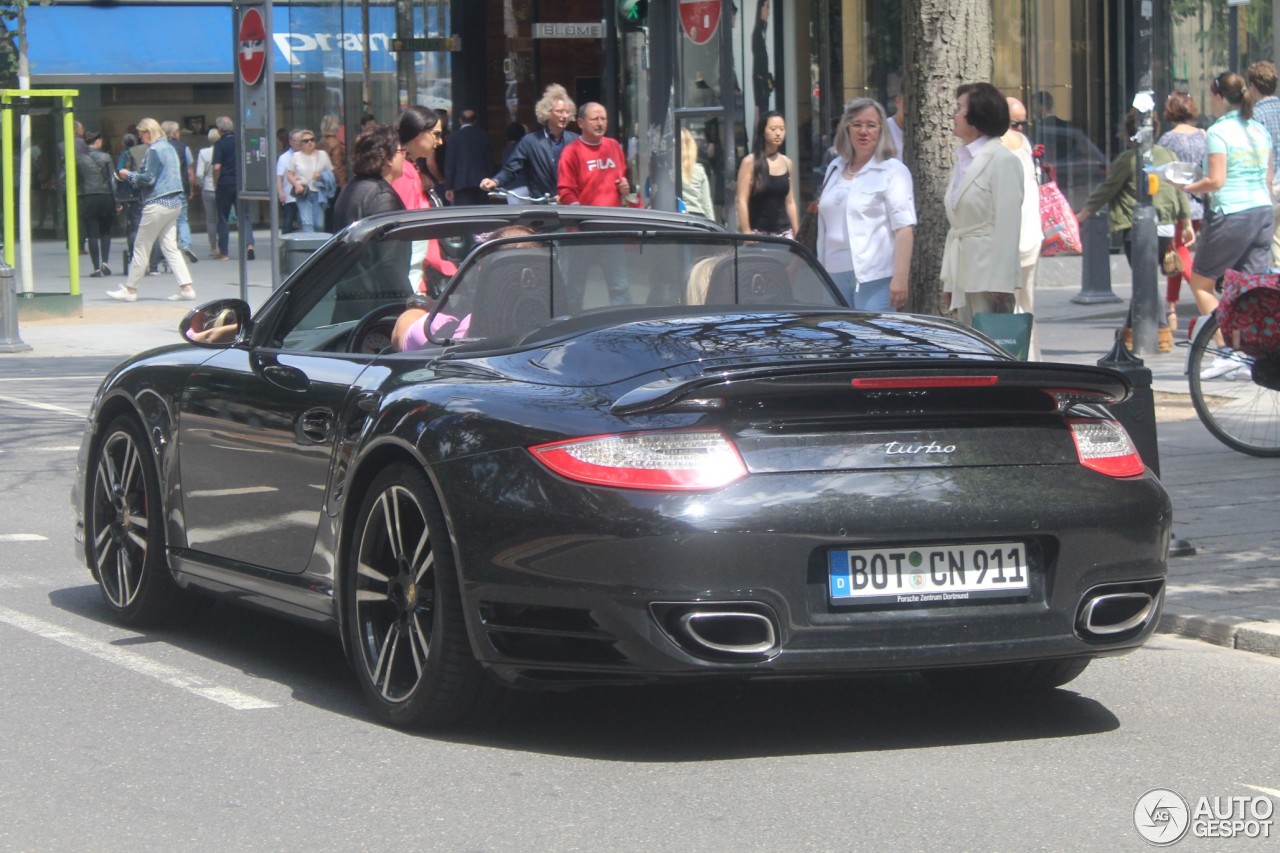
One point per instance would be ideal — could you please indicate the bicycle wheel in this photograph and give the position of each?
(1240, 413)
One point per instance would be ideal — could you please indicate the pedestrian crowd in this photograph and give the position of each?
(1216, 205)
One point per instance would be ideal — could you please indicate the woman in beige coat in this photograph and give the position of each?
(980, 265)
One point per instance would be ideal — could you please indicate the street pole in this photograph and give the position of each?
(1145, 303)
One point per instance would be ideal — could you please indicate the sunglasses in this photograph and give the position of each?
(1017, 125)
(307, 139)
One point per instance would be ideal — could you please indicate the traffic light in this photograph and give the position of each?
(633, 14)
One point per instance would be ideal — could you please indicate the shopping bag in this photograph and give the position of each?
(1011, 331)
(1249, 313)
(1061, 231)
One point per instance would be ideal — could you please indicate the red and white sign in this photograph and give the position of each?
(251, 53)
(700, 19)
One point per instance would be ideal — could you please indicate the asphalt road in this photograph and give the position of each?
(238, 732)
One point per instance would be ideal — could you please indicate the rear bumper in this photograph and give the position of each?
(591, 584)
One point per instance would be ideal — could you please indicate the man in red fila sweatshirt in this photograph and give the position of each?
(593, 169)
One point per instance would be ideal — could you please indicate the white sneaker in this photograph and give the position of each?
(1226, 361)
(123, 294)
(1243, 373)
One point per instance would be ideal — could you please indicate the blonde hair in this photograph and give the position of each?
(553, 95)
(152, 127)
(329, 125)
(214, 135)
(688, 154)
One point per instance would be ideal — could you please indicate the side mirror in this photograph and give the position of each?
(220, 323)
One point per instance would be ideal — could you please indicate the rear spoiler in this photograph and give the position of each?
(1069, 384)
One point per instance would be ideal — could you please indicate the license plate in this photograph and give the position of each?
(938, 573)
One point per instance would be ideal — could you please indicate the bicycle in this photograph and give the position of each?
(512, 196)
(1236, 395)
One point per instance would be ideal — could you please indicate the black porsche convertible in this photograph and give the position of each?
(624, 446)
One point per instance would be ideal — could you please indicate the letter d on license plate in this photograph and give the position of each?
(925, 575)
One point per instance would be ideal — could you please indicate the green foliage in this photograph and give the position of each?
(1211, 32)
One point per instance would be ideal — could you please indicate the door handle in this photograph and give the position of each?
(288, 378)
(314, 426)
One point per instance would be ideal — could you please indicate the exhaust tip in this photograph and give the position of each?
(1112, 611)
(721, 631)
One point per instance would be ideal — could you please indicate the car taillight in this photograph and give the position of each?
(668, 461)
(1105, 447)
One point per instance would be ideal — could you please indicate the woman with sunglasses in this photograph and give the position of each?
(311, 176)
(420, 133)
(1239, 220)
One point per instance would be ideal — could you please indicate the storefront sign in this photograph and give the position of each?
(568, 31)
(699, 19)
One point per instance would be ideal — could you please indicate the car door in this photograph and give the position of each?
(258, 423)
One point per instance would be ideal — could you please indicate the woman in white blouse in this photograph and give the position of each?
(867, 212)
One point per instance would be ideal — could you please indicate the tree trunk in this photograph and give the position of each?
(945, 43)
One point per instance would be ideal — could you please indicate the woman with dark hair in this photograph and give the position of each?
(419, 131)
(377, 160)
(1187, 144)
(97, 203)
(1240, 218)
(980, 265)
(766, 190)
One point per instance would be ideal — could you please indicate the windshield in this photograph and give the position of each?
(511, 287)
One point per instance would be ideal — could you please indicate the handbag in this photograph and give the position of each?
(1171, 264)
(807, 236)
(1058, 221)
(1249, 313)
(1011, 331)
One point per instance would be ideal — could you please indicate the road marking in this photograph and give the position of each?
(97, 378)
(134, 662)
(48, 407)
(1270, 792)
(225, 493)
(23, 537)
(66, 448)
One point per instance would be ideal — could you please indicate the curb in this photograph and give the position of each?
(1233, 632)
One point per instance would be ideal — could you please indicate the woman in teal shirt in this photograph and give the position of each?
(1239, 221)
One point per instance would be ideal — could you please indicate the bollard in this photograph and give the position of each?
(1095, 267)
(9, 340)
(1138, 416)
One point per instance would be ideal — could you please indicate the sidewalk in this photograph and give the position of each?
(1228, 592)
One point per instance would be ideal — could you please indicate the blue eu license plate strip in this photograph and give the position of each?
(938, 573)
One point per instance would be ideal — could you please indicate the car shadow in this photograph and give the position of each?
(778, 718)
(308, 660)
(656, 723)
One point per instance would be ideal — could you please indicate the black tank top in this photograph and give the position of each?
(768, 207)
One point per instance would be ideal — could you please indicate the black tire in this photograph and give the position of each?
(403, 610)
(1242, 414)
(1008, 677)
(125, 527)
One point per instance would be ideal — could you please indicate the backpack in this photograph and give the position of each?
(127, 192)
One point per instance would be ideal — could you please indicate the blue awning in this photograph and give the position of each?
(89, 44)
